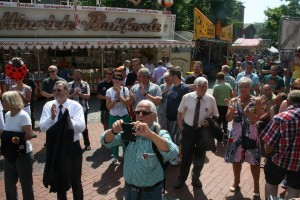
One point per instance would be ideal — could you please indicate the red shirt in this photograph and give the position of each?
(284, 133)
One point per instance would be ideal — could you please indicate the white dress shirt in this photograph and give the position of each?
(188, 103)
(76, 115)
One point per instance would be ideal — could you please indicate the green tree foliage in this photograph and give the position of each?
(226, 11)
(270, 29)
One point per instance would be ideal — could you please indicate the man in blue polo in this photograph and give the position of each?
(253, 76)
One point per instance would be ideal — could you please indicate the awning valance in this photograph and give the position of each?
(68, 43)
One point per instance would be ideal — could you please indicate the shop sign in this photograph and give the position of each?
(15, 21)
(203, 27)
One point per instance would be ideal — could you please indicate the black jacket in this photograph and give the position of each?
(58, 167)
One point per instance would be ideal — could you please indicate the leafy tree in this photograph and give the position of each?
(270, 29)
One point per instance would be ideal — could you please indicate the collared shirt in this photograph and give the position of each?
(143, 172)
(48, 84)
(283, 133)
(151, 88)
(254, 78)
(208, 107)
(76, 115)
(190, 79)
(84, 88)
(159, 72)
(229, 79)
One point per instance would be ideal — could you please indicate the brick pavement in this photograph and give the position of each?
(101, 180)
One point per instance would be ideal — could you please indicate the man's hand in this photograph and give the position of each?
(204, 123)
(53, 112)
(142, 129)
(116, 127)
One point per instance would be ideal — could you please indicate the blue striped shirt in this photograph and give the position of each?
(137, 170)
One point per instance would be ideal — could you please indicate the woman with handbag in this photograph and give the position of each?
(116, 102)
(20, 166)
(243, 142)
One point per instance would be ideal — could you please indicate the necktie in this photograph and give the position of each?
(60, 112)
(197, 112)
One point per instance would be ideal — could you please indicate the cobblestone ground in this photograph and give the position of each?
(101, 180)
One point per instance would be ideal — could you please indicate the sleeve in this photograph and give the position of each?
(25, 121)
(88, 91)
(99, 88)
(77, 118)
(182, 106)
(129, 80)
(256, 80)
(271, 133)
(46, 122)
(158, 91)
(44, 86)
(173, 148)
(215, 112)
(154, 73)
(115, 142)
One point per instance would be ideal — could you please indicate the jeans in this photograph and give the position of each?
(21, 169)
(155, 194)
(193, 147)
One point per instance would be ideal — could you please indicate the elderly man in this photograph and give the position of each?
(48, 83)
(144, 89)
(193, 111)
(52, 111)
(282, 146)
(143, 171)
(80, 92)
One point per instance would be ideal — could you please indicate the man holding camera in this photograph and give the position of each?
(143, 171)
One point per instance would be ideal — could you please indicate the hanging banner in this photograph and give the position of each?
(203, 27)
(218, 29)
(227, 33)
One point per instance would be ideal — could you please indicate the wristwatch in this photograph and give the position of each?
(114, 132)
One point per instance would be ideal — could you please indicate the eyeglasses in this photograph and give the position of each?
(58, 90)
(51, 72)
(137, 112)
(109, 73)
(118, 79)
(243, 87)
(296, 88)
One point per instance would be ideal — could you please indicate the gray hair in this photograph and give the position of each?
(166, 74)
(245, 80)
(149, 103)
(145, 71)
(13, 98)
(65, 84)
(201, 81)
(294, 97)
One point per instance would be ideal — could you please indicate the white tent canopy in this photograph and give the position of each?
(273, 50)
(68, 43)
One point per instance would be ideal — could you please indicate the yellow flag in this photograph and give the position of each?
(227, 33)
(203, 27)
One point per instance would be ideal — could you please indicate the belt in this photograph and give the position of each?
(145, 189)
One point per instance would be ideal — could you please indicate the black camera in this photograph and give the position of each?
(237, 118)
(128, 131)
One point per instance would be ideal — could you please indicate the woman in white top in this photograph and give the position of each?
(18, 120)
(117, 100)
(25, 93)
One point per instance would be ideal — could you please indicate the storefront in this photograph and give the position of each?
(45, 34)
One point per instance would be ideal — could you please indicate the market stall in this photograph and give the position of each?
(45, 34)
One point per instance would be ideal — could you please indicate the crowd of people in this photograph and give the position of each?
(158, 117)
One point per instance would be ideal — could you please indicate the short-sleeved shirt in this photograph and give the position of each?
(188, 104)
(159, 72)
(48, 84)
(283, 133)
(151, 88)
(119, 109)
(101, 89)
(131, 78)
(84, 89)
(191, 78)
(16, 123)
(229, 79)
(221, 92)
(275, 82)
(174, 97)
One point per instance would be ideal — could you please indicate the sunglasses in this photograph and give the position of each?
(296, 88)
(137, 112)
(58, 90)
(118, 79)
(52, 71)
(109, 73)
